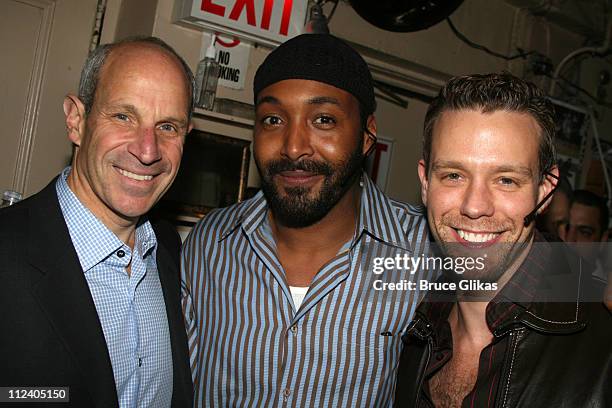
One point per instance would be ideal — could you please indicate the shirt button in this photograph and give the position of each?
(139, 361)
(294, 329)
(121, 253)
(286, 392)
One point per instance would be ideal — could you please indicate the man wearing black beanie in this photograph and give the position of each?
(275, 293)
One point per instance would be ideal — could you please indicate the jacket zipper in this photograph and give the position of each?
(422, 376)
(515, 336)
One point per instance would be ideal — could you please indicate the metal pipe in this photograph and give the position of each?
(602, 49)
(601, 157)
(97, 29)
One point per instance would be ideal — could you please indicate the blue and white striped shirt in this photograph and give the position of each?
(250, 347)
(131, 308)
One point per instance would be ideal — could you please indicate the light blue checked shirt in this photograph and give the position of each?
(131, 308)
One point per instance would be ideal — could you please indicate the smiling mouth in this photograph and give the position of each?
(298, 177)
(477, 237)
(134, 176)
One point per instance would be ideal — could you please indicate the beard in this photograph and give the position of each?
(299, 207)
(498, 257)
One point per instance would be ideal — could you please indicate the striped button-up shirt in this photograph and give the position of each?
(250, 347)
(131, 308)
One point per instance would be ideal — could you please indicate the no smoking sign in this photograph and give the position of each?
(233, 57)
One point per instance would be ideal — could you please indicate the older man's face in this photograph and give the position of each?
(130, 144)
(481, 182)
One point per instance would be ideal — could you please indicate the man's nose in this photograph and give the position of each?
(570, 234)
(146, 146)
(477, 201)
(297, 141)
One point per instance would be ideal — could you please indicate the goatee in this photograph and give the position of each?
(296, 208)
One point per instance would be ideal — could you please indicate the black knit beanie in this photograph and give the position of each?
(322, 58)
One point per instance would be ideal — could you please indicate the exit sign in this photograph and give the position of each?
(264, 21)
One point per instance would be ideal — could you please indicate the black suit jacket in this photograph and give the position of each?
(50, 334)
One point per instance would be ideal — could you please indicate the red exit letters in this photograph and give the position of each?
(248, 6)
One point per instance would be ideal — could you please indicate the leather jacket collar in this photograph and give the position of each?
(556, 304)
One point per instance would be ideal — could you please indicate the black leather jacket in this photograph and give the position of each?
(558, 355)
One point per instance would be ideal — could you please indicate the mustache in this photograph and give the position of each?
(311, 166)
(458, 221)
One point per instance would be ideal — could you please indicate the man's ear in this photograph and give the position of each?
(546, 186)
(369, 135)
(422, 170)
(74, 110)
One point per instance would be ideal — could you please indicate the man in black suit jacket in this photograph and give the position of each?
(62, 317)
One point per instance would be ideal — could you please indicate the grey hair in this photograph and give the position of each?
(90, 74)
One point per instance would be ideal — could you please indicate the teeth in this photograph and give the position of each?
(134, 176)
(473, 237)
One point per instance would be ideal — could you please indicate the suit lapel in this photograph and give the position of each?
(59, 285)
(167, 265)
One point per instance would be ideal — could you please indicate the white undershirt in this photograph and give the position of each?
(298, 293)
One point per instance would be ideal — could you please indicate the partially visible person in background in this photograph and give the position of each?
(588, 226)
(553, 222)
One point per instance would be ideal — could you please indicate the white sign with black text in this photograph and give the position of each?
(233, 57)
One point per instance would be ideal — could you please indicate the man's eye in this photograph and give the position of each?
(121, 116)
(271, 120)
(453, 176)
(167, 127)
(325, 120)
(507, 181)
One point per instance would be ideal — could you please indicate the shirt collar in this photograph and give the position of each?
(518, 298)
(377, 216)
(92, 240)
(248, 214)
(520, 291)
(145, 239)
